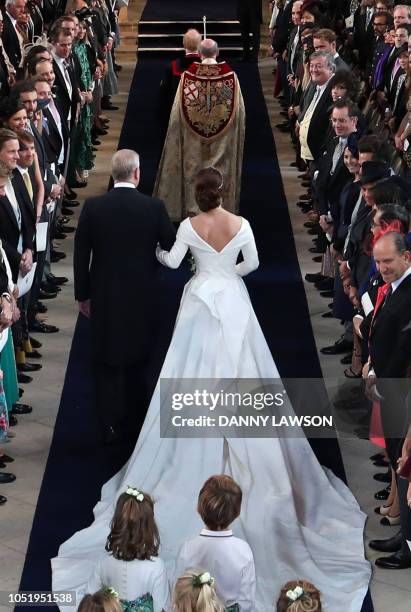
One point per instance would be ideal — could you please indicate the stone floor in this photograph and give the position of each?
(34, 432)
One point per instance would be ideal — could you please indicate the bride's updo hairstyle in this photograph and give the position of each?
(134, 533)
(209, 186)
(299, 596)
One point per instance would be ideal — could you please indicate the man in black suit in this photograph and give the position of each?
(364, 31)
(313, 121)
(12, 39)
(118, 289)
(65, 84)
(250, 16)
(171, 79)
(390, 360)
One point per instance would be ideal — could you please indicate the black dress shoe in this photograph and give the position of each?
(2, 500)
(383, 477)
(12, 420)
(383, 495)
(58, 235)
(56, 280)
(391, 545)
(40, 307)
(6, 459)
(29, 367)
(67, 211)
(21, 392)
(381, 463)
(34, 355)
(78, 184)
(316, 250)
(326, 284)
(118, 67)
(66, 229)
(313, 278)
(397, 561)
(327, 294)
(377, 456)
(96, 131)
(346, 360)
(48, 288)
(20, 409)
(96, 142)
(314, 231)
(109, 107)
(71, 203)
(45, 295)
(35, 343)
(23, 378)
(328, 315)
(6, 477)
(43, 328)
(317, 259)
(341, 346)
(55, 256)
(305, 197)
(70, 195)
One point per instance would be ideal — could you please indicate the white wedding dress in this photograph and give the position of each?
(299, 519)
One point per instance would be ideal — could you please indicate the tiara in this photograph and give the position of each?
(294, 594)
(204, 578)
(135, 493)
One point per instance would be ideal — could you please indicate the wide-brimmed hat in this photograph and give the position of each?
(373, 171)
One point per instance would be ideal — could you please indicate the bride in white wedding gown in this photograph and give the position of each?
(299, 519)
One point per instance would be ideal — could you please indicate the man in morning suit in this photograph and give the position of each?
(171, 79)
(250, 15)
(389, 343)
(12, 39)
(118, 289)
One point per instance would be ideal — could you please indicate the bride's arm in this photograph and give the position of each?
(250, 257)
(173, 258)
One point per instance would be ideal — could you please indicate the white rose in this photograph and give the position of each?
(204, 578)
(140, 497)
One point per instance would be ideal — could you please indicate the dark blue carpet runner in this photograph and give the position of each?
(78, 464)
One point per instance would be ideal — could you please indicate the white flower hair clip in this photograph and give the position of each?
(135, 493)
(111, 591)
(295, 594)
(204, 578)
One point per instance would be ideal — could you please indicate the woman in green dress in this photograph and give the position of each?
(81, 149)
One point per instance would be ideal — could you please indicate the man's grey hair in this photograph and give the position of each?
(124, 163)
(10, 3)
(330, 62)
(208, 48)
(404, 6)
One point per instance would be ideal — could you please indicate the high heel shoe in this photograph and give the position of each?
(382, 510)
(390, 520)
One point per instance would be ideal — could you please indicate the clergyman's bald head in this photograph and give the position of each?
(192, 40)
(209, 48)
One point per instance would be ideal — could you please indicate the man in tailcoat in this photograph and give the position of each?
(250, 16)
(116, 285)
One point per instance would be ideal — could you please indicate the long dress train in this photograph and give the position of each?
(299, 519)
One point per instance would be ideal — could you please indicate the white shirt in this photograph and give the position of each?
(228, 559)
(11, 196)
(397, 283)
(61, 64)
(132, 579)
(124, 184)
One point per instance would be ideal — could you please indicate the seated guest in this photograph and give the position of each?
(102, 601)
(194, 591)
(299, 596)
(131, 565)
(229, 559)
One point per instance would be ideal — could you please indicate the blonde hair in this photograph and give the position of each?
(309, 601)
(102, 601)
(190, 598)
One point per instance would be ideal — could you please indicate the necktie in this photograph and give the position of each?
(44, 123)
(28, 185)
(337, 154)
(383, 295)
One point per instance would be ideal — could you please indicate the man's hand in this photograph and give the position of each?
(26, 262)
(344, 269)
(354, 296)
(371, 389)
(325, 225)
(84, 308)
(6, 316)
(55, 191)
